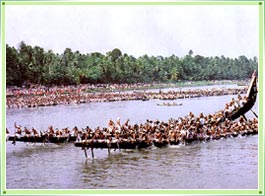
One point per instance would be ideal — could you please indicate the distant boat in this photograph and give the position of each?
(169, 104)
(241, 84)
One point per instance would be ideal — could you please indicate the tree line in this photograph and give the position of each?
(37, 66)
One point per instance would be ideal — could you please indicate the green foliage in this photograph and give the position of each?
(13, 74)
(35, 65)
(115, 54)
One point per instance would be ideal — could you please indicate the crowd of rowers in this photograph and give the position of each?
(77, 97)
(173, 131)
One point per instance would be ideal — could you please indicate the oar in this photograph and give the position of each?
(92, 152)
(85, 150)
(118, 145)
(254, 113)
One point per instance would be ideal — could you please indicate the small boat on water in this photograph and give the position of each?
(169, 104)
(242, 83)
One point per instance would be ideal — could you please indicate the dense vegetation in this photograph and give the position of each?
(35, 65)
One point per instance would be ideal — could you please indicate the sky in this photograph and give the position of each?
(137, 30)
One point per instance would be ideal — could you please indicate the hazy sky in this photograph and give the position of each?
(137, 30)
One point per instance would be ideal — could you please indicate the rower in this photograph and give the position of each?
(111, 126)
(18, 133)
(172, 135)
(231, 107)
(245, 100)
(58, 133)
(50, 130)
(27, 132)
(240, 101)
(158, 135)
(125, 127)
(7, 134)
(118, 126)
(35, 132)
(75, 133)
(226, 111)
(202, 119)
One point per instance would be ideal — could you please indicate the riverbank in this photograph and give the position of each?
(180, 84)
(211, 82)
(35, 89)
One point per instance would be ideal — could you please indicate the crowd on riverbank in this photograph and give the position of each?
(33, 90)
(40, 96)
(29, 89)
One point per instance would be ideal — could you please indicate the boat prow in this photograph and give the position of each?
(250, 101)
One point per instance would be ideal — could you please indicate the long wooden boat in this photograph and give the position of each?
(114, 144)
(140, 144)
(251, 99)
(42, 139)
(161, 143)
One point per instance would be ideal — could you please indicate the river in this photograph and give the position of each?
(224, 164)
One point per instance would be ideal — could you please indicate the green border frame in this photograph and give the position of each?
(259, 191)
